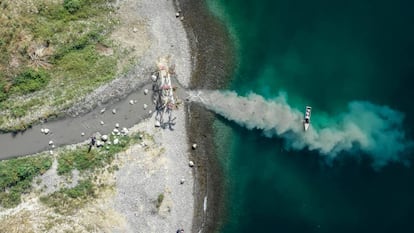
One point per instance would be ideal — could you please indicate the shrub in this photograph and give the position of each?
(16, 176)
(72, 5)
(67, 200)
(159, 200)
(30, 81)
(96, 158)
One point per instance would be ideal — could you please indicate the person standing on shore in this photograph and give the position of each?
(92, 143)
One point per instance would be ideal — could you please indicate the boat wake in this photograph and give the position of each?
(365, 127)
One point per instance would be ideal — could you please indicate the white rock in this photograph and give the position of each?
(107, 147)
(51, 152)
(124, 131)
(145, 91)
(157, 124)
(135, 30)
(194, 146)
(42, 130)
(50, 142)
(116, 125)
(104, 137)
(177, 14)
(99, 143)
(149, 111)
(131, 102)
(182, 181)
(145, 106)
(46, 131)
(53, 146)
(116, 130)
(116, 141)
(114, 111)
(82, 134)
(103, 110)
(154, 77)
(102, 123)
(191, 164)
(141, 136)
(109, 143)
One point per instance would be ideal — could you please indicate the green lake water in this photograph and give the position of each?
(324, 54)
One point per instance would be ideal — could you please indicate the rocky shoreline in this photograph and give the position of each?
(212, 55)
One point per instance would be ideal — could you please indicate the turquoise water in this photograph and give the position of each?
(324, 54)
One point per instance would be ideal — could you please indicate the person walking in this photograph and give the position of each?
(92, 143)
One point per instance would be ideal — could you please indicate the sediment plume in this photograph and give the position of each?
(374, 130)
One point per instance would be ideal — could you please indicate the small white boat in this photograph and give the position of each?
(306, 121)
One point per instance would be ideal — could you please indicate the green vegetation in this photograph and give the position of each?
(73, 5)
(30, 80)
(16, 176)
(81, 160)
(52, 51)
(159, 201)
(67, 200)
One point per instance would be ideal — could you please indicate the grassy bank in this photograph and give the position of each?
(52, 53)
(16, 176)
(84, 161)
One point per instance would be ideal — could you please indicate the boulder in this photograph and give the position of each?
(194, 146)
(124, 131)
(116, 141)
(154, 77)
(117, 125)
(145, 106)
(114, 111)
(103, 110)
(145, 91)
(102, 123)
(191, 164)
(131, 102)
(116, 130)
(157, 124)
(50, 142)
(182, 181)
(46, 131)
(104, 137)
(82, 134)
(99, 143)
